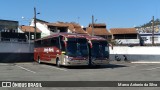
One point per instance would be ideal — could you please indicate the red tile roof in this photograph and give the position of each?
(76, 28)
(98, 31)
(29, 29)
(123, 31)
(57, 24)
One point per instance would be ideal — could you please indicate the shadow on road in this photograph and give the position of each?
(89, 67)
(97, 67)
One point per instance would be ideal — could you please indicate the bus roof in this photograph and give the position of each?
(94, 37)
(67, 35)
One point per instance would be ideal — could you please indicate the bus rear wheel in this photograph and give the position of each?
(58, 63)
(39, 60)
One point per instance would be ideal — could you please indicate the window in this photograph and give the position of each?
(38, 43)
(44, 43)
(54, 42)
(32, 37)
(144, 38)
(155, 38)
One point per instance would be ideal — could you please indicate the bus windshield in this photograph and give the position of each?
(100, 49)
(77, 47)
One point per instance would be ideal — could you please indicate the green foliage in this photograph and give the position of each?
(149, 24)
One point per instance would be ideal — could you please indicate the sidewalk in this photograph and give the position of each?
(146, 62)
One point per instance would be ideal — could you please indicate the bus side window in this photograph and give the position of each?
(54, 42)
(44, 43)
(37, 43)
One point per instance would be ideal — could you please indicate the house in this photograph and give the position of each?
(30, 31)
(99, 30)
(9, 31)
(125, 35)
(8, 26)
(50, 28)
(146, 38)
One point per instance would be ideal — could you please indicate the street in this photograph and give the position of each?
(115, 71)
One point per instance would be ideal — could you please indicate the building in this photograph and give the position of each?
(49, 28)
(9, 32)
(99, 30)
(125, 36)
(8, 26)
(29, 32)
(146, 38)
(65, 27)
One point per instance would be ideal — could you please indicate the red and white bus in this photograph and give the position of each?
(62, 49)
(98, 50)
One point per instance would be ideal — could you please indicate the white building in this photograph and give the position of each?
(50, 28)
(147, 38)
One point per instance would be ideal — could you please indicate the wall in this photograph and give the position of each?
(136, 53)
(16, 52)
(149, 39)
(127, 41)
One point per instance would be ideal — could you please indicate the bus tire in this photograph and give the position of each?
(58, 62)
(39, 60)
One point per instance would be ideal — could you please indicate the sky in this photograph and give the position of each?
(114, 13)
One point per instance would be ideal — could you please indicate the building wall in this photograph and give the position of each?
(16, 52)
(137, 53)
(127, 41)
(125, 36)
(43, 28)
(147, 38)
(16, 47)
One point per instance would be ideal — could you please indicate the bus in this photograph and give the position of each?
(65, 49)
(98, 50)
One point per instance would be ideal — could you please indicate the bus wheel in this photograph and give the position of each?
(39, 60)
(58, 63)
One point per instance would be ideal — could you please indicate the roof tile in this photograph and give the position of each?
(123, 31)
(29, 29)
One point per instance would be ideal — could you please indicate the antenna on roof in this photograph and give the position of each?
(92, 25)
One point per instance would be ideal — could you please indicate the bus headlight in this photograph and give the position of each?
(68, 58)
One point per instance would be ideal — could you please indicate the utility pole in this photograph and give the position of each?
(78, 20)
(35, 27)
(153, 30)
(92, 25)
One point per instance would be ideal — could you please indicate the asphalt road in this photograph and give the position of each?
(115, 71)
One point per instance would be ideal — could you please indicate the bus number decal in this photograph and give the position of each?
(48, 50)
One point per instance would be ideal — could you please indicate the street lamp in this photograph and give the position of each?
(29, 38)
(29, 34)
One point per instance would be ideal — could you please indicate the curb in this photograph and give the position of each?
(146, 62)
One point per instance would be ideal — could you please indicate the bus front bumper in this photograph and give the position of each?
(100, 62)
(76, 63)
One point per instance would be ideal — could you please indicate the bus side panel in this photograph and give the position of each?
(35, 54)
(53, 55)
(43, 55)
